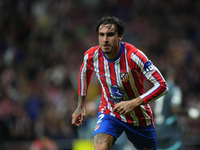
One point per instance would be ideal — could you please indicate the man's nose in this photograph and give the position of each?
(105, 39)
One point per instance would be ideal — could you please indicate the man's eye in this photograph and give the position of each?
(101, 34)
(111, 34)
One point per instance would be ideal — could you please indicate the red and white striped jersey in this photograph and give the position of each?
(122, 79)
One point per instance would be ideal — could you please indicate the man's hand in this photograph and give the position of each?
(78, 117)
(126, 107)
(79, 114)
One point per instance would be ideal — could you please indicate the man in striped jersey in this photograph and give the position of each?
(121, 70)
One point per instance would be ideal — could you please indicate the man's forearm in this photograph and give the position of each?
(81, 104)
(81, 101)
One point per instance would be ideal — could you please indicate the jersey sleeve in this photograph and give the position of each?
(150, 73)
(85, 75)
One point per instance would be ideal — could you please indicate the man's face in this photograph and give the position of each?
(109, 40)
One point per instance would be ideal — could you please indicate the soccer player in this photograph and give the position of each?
(167, 110)
(121, 70)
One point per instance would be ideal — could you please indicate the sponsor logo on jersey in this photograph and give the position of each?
(116, 92)
(124, 76)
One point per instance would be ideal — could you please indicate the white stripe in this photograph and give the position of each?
(96, 69)
(135, 119)
(134, 89)
(127, 70)
(146, 116)
(119, 82)
(142, 53)
(132, 83)
(108, 81)
(96, 62)
(83, 76)
(137, 60)
(117, 73)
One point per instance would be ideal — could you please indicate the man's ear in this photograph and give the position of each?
(120, 37)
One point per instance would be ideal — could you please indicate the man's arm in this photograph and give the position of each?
(79, 114)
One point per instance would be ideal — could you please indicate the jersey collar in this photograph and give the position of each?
(119, 54)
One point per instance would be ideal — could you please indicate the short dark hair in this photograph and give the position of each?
(119, 26)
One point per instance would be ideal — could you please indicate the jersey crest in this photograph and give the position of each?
(124, 76)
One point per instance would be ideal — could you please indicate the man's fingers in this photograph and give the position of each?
(115, 108)
(75, 122)
(79, 121)
(119, 109)
(82, 119)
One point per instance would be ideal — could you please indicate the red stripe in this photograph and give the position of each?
(126, 84)
(112, 73)
(103, 80)
(129, 119)
(141, 117)
(113, 82)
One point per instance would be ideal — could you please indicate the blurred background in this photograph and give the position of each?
(42, 43)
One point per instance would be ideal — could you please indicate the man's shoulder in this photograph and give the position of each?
(91, 53)
(92, 50)
(134, 53)
(130, 47)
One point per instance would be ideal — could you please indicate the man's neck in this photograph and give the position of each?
(114, 54)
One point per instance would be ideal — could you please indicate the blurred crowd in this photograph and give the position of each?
(42, 43)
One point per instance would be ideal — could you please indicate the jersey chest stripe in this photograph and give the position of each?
(109, 82)
(117, 72)
(124, 69)
(135, 118)
(101, 77)
(97, 64)
(146, 114)
(117, 67)
(113, 75)
(133, 85)
(141, 113)
(131, 117)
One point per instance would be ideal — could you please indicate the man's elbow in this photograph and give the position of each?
(165, 88)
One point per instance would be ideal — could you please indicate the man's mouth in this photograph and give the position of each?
(106, 46)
